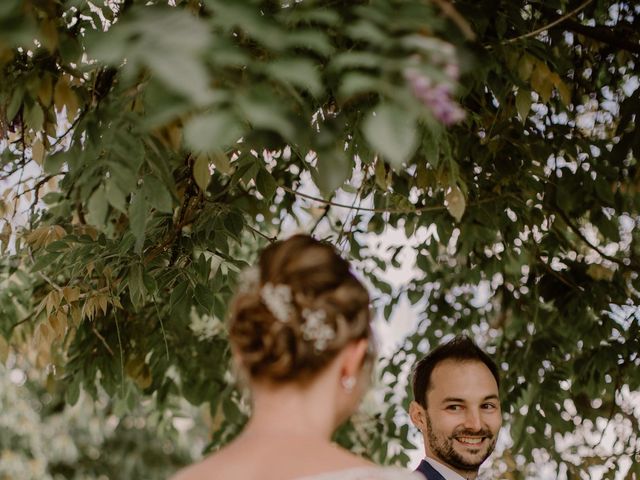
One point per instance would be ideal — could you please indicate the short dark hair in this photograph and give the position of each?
(460, 348)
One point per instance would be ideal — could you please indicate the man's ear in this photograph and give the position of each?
(418, 415)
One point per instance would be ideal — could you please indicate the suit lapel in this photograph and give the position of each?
(428, 471)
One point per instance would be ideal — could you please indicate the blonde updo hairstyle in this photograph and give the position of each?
(319, 280)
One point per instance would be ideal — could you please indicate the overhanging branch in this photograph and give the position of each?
(602, 34)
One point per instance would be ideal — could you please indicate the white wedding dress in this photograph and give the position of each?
(367, 473)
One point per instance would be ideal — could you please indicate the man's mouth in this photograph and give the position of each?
(470, 441)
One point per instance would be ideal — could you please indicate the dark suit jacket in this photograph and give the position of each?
(428, 471)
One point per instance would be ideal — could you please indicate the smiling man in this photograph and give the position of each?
(457, 408)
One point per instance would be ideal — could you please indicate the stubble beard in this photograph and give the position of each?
(442, 447)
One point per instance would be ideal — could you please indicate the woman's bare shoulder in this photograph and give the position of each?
(368, 473)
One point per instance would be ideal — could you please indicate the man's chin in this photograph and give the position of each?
(471, 458)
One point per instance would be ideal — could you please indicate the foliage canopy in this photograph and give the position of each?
(148, 150)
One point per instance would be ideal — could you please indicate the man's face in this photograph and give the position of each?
(462, 419)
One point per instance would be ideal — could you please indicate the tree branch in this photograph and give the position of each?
(604, 35)
(577, 231)
(549, 25)
(431, 208)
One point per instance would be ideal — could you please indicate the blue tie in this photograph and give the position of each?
(428, 471)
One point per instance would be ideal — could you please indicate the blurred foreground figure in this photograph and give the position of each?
(457, 408)
(300, 333)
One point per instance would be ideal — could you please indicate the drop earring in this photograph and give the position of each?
(348, 383)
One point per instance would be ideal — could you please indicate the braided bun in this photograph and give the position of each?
(323, 307)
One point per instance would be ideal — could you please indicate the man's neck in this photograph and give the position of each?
(447, 470)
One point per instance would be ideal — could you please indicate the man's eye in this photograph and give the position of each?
(454, 408)
(488, 406)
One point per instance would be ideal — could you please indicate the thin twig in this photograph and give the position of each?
(71, 127)
(358, 200)
(121, 356)
(449, 10)
(263, 235)
(549, 25)
(612, 410)
(164, 335)
(582, 237)
(431, 208)
(103, 340)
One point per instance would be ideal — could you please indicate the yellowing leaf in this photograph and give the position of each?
(4, 350)
(455, 202)
(221, 162)
(564, 91)
(201, 173)
(76, 315)
(45, 91)
(542, 82)
(599, 272)
(422, 175)
(58, 323)
(525, 67)
(37, 151)
(71, 294)
(49, 35)
(53, 301)
(63, 96)
(523, 103)
(102, 303)
(381, 175)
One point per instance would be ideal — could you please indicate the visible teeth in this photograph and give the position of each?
(474, 441)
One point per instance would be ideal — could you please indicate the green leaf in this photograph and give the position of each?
(298, 72)
(355, 59)
(15, 103)
(34, 116)
(213, 131)
(115, 195)
(53, 163)
(266, 184)
(138, 219)
(313, 40)
(44, 261)
(136, 285)
(356, 83)
(98, 207)
(157, 194)
(391, 131)
(334, 168)
(264, 112)
(72, 393)
(364, 31)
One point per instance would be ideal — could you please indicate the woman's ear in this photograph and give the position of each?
(353, 358)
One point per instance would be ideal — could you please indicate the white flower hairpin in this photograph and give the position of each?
(278, 299)
(316, 329)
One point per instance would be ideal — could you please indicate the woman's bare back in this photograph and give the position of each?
(273, 459)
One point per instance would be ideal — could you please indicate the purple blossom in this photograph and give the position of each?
(436, 97)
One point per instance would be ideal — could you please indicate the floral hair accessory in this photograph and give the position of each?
(278, 299)
(315, 328)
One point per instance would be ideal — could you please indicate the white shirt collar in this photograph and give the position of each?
(443, 470)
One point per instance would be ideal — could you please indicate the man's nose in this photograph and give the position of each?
(472, 420)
